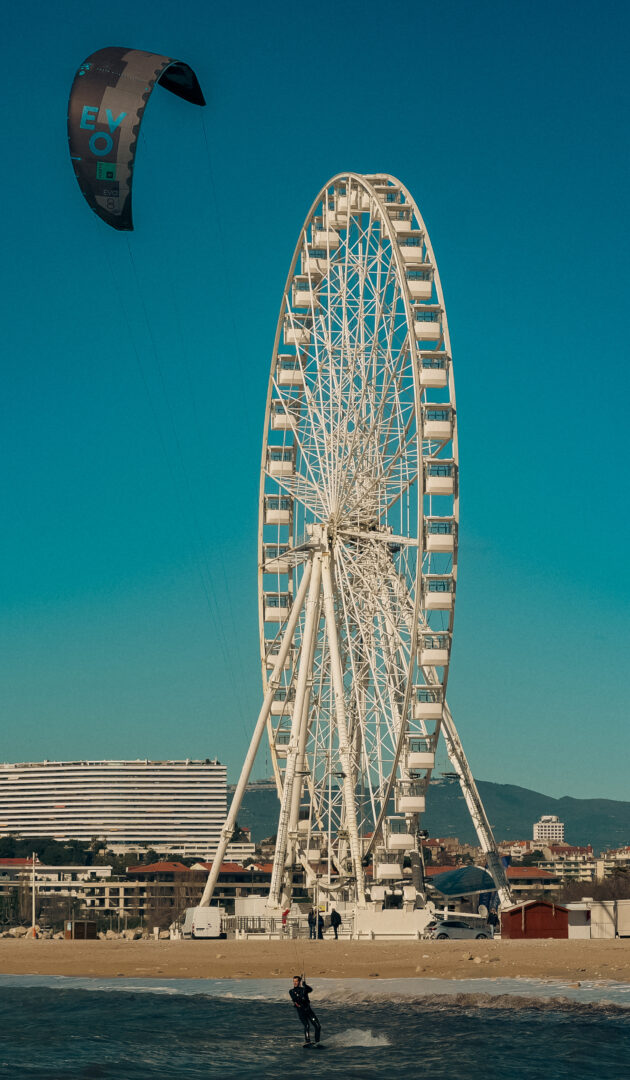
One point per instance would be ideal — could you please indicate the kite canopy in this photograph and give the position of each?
(106, 106)
(463, 881)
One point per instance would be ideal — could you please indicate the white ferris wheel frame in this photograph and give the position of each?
(302, 452)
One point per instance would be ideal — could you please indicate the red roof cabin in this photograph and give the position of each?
(535, 919)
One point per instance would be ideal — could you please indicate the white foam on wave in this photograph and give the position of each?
(358, 1037)
(352, 991)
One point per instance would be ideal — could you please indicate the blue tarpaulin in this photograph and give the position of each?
(462, 881)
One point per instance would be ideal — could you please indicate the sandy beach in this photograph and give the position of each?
(568, 960)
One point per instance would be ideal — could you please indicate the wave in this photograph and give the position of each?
(357, 1037)
(503, 993)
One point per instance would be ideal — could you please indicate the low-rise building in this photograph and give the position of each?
(528, 881)
(515, 849)
(571, 862)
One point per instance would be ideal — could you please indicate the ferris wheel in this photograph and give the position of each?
(357, 547)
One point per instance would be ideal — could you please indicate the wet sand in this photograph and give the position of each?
(574, 961)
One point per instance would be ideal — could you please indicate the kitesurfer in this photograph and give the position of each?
(299, 996)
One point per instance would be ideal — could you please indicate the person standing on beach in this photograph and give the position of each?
(312, 920)
(320, 926)
(335, 922)
(299, 996)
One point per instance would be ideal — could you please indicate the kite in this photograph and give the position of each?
(107, 102)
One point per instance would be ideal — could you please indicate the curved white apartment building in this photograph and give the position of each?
(177, 806)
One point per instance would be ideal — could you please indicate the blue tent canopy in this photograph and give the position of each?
(462, 881)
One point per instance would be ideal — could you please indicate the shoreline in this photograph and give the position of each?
(573, 961)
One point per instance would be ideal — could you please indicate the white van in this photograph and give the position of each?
(202, 922)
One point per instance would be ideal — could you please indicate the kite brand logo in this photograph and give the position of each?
(106, 170)
(101, 142)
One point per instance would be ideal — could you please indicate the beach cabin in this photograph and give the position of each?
(535, 919)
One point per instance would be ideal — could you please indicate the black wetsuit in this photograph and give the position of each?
(299, 997)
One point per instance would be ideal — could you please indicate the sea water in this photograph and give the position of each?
(129, 1029)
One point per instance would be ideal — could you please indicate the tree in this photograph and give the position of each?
(532, 858)
(239, 835)
(615, 887)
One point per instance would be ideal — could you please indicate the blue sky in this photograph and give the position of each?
(128, 615)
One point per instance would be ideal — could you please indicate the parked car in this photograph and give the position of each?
(455, 928)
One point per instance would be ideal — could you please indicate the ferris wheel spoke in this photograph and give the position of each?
(378, 706)
(359, 361)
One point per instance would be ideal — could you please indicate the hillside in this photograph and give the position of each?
(512, 811)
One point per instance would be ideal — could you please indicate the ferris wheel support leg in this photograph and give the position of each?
(300, 719)
(274, 681)
(296, 795)
(342, 728)
(475, 806)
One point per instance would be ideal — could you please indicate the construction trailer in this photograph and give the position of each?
(590, 918)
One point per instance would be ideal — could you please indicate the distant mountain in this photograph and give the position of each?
(512, 811)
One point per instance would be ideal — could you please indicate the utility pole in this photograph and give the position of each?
(33, 931)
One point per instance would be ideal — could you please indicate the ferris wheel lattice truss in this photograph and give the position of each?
(357, 551)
